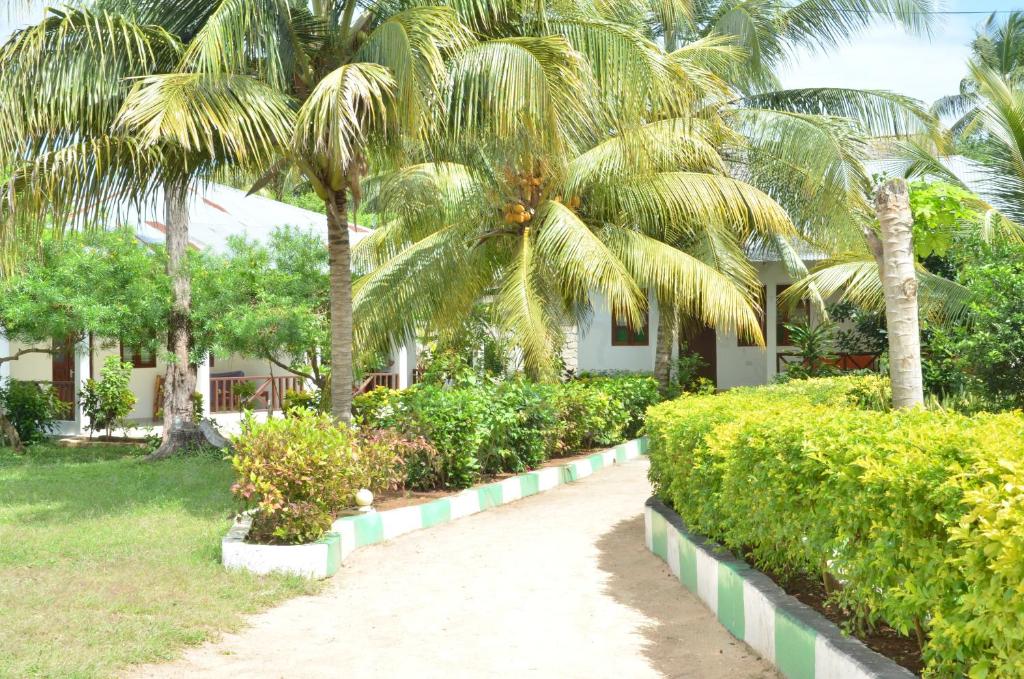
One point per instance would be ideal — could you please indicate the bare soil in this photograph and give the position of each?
(883, 639)
(411, 498)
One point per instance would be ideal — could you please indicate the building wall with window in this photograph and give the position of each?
(736, 362)
(599, 343)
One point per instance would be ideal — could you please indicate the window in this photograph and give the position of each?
(761, 319)
(139, 358)
(625, 335)
(801, 313)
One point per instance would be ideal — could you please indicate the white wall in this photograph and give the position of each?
(596, 353)
(736, 365)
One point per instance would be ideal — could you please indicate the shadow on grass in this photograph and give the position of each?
(683, 639)
(51, 483)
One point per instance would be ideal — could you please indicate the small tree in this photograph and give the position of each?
(109, 400)
(269, 301)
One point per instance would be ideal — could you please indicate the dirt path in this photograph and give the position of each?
(558, 585)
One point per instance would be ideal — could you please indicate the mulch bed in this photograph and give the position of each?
(883, 639)
(409, 498)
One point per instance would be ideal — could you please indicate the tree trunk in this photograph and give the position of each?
(894, 253)
(339, 253)
(10, 434)
(180, 431)
(663, 349)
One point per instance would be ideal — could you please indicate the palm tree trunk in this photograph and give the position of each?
(894, 253)
(180, 431)
(340, 258)
(663, 347)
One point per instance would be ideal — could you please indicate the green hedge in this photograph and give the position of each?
(919, 515)
(510, 426)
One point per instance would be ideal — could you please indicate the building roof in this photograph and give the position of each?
(217, 212)
(968, 171)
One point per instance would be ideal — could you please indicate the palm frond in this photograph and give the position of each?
(271, 39)
(662, 146)
(880, 113)
(672, 205)
(345, 107)
(581, 262)
(414, 45)
(694, 288)
(855, 279)
(231, 116)
(85, 59)
(519, 308)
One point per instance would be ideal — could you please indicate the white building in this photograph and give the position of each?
(605, 345)
(216, 213)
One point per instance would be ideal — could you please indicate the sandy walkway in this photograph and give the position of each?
(558, 585)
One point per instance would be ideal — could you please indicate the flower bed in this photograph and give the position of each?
(298, 474)
(913, 519)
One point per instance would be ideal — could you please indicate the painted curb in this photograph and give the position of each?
(320, 559)
(799, 641)
(373, 527)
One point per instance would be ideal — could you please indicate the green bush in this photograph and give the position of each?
(32, 408)
(588, 417)
(297, 472)
(389, 461)
(636, 393)
(495, 427)
(920, 515)
(109, 400)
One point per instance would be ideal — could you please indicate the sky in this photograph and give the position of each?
(889, 59)
(884, 58)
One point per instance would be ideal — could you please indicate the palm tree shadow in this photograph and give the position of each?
(683, 639)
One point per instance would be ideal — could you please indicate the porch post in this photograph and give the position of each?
(203, 384)
(771, 310)
(402, 365)
(83, 369)
(5, 350)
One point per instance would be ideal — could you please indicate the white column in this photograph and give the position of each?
(5, 351)
(83, 369)
(770, 320)
(203, 383)
(405, 362)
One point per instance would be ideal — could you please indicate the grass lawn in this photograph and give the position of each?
(106, 560)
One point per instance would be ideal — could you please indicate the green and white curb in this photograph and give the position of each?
(320, 559)
(373, 527)
(323, 558)
(798, 640)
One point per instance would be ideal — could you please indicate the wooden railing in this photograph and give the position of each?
(374, 380)
(844, 362)
(269, 393)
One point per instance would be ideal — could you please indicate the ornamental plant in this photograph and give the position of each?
(296, 473)
(109, 400)
(31, 408)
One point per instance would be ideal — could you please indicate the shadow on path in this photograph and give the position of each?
(683, 638)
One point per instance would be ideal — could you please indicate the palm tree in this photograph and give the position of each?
(614, 206)
(71, 161)
(798, 146)
(999, 47)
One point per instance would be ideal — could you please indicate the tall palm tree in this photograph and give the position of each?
(797, 146)
(324, 84)
(70, 161)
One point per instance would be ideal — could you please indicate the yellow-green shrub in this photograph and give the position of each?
(920, 515)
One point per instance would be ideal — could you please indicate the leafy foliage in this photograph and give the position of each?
(297, 472)
(915, 513)
(941, 211)
(31, 408)
(107, 401)
(487, 428)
